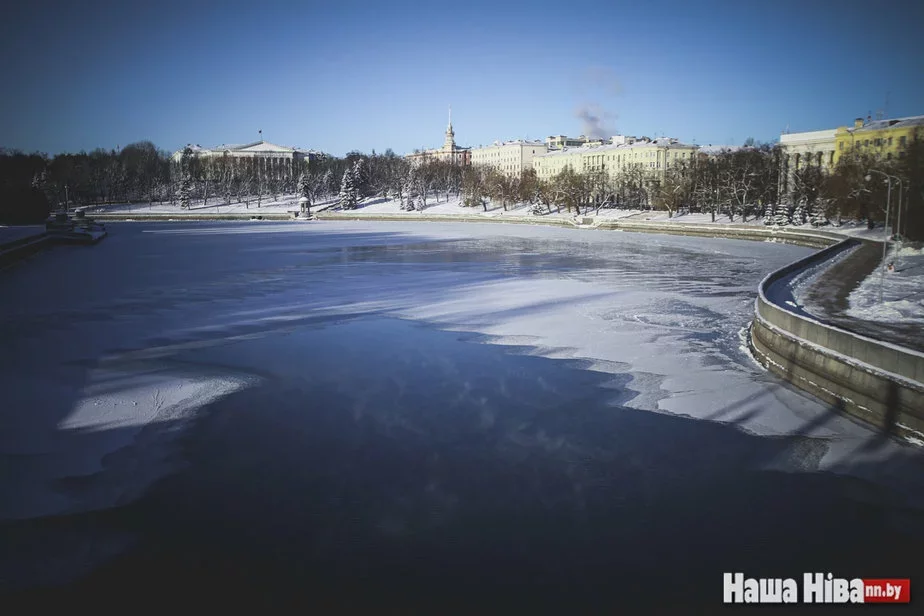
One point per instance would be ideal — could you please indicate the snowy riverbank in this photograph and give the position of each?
(901, 290)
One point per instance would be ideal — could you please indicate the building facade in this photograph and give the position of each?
(510, 157)
(267, 159)
(653, 157)
(886, 139)
(450, 152)
(798, 150)
(560, 142)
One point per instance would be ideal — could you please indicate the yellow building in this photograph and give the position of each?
(510, 157)
(651, 156)
(887, 139)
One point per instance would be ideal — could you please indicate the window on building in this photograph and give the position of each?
(840, 146)
(866, 143)
(890, 142)
(902, 141)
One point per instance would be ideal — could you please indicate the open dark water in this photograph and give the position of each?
(381, 464)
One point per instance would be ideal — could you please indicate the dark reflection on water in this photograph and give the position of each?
(382, 463)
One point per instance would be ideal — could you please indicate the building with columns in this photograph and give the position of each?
(509, 157)
(449, 152)
(798, 150)
(266, 159)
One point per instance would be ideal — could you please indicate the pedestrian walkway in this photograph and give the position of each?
(827, 299)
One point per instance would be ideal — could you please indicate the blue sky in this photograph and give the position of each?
(343, 75)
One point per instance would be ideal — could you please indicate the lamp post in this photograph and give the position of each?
(885, 242)
(898, 225)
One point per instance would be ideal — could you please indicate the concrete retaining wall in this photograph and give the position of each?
(875, 381)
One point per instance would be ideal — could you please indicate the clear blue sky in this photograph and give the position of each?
(342, 75)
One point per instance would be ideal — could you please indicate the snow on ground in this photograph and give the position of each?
(453, 207)
(215, 205)
(92, 376)
(857, 229)
(696, 218)
(902, 289)
(801, 282)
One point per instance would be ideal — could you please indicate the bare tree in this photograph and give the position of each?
(672, 190)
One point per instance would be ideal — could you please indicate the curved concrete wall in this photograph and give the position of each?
(876, 381)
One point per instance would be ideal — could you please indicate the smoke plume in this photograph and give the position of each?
(595, 122)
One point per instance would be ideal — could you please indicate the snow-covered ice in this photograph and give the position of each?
(91, 376)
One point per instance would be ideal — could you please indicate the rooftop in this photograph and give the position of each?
(664, 142)
(718, 149)
(513, 142)
(893, 123)
(255, 146)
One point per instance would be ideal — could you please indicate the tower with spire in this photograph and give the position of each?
(450, 152)
(449, 144)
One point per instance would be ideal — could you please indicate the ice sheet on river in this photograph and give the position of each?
(91, 377)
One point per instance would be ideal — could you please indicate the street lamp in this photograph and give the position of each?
(885, 242)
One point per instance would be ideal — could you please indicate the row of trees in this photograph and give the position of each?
(741, 184)
(754, 181)
(30, 183)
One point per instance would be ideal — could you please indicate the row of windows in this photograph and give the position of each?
(878, 143)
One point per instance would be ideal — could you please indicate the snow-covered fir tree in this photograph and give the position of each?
(410, 191)
(800, 213)
(770, 213)
(302, 185)
(327, 183)
(185, 177)
(817, 215)
(348, 199)
(359, 180)
(185, 191)
(782, 215)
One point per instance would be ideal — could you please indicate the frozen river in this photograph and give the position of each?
(385, 411)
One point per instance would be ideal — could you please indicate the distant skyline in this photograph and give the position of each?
(347, 75)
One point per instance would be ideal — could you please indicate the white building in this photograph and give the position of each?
(560, 142)
(509, 157)
(267, 159)
(815, 147)
(817, 144)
